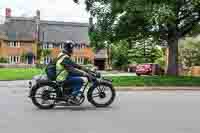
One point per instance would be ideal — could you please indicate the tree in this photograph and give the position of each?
(119, 55)
(165, 20)
(41, 54)
(101, 30)
(46, 52)
(145, 51)
(24, 57)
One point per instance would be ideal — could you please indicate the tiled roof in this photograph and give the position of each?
(2, 32)
(61, 32)
(21, 28)
(74, 24)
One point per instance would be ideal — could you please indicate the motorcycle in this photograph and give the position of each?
(46, 94)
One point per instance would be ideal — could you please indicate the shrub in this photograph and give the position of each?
(3, 60)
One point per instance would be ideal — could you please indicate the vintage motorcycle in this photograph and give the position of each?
(45, 94)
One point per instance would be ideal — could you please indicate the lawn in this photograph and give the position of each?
(156, 81)
(26, 74)
(18, 73)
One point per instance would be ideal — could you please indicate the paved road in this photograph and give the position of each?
(139, 112)
(117, 73)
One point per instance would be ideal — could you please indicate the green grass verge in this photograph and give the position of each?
(18, 73)
(28, 73)
(156, 81)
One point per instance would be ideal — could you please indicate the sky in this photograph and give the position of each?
(57, 10)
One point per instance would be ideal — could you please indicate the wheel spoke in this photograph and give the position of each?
(39, 94)
(103, 89)
(99, 89)
(95, 95)
(37, 97)
(99, 92)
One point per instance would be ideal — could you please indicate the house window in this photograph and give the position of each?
(79, 46)
(61, 45)
(56, 45)
(73, 59)
(14, 44)
(81, 60)
(14, 59)
(83, 45)
(78, 60)
(50, 45)
(45, 46)
(47, 60)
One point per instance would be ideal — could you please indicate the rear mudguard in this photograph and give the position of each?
(44, 83)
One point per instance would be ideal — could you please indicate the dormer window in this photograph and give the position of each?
(14, 44)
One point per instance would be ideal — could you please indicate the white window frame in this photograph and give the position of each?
(50, 45)
(73, 59)
(83, 60)
(18, 44)
(83, 46)
(14, 59)
(47, 60)
(61, 45)
(80, 60)
(76, 59)
(14, 44)
(45, 46)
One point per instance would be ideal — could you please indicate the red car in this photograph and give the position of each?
(149, 69)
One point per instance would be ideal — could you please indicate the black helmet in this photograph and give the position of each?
(68, 47)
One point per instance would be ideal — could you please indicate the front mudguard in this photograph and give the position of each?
(44, 83)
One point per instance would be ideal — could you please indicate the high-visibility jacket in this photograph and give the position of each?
(60, 69)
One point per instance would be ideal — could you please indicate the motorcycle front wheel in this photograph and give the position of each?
(101, 95)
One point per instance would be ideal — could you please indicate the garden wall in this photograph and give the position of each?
(195, 71)
(2, 65)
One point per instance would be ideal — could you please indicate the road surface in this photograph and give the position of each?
(132, 112)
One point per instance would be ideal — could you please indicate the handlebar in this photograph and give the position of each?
(94, 74)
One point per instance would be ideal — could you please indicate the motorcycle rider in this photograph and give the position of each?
(73, 75)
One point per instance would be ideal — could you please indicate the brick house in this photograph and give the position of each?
(22, 35)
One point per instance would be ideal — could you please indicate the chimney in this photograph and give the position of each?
(38, 25)
(38, 14)
(91, 25)
(8, 12)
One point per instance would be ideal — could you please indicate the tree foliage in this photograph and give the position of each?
(3, 60)
(141, 52)
(165, 20)
(46, 52)
(119, 55)
(190, 52)
(145, 51)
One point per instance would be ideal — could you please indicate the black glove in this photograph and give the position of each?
(90, 77)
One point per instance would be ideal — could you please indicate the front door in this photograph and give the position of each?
(30, 59)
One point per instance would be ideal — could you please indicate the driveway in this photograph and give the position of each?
(116, 73)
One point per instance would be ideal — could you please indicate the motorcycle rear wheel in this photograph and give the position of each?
(44, 96)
